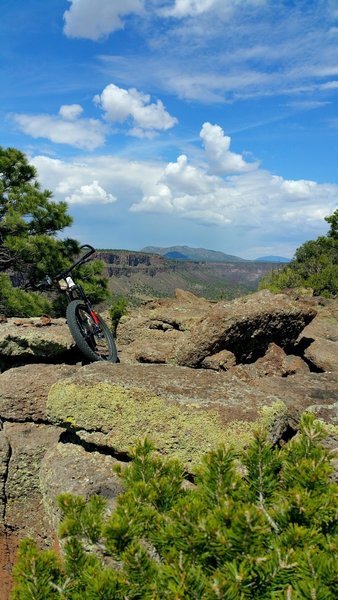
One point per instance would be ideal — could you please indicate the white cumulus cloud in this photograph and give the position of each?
(64, 128)
(269, 209)
(102, 179)
(229, 190)
(95, 20)
(217, 150)
(91, 193)
(121, 105)
(70, 111)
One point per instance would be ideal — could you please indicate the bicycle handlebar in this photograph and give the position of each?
(78, 262)
(48, 281)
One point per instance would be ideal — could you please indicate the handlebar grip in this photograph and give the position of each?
(87, 254)
(46, 282)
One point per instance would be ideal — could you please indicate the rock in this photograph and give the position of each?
(245, 327)
(24, 390)
(185, 412)
(35, 338)
(71, 468)
(155, 345)
(23, 510)
(187, 330)
(274, 362)
(318, 341)
(150, 333)
(5, 452)
(221, 361)
(8, 542)
(323, 355)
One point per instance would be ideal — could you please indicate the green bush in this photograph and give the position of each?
(315, 265)
(15, 302)
(117, 310)
(259, 525)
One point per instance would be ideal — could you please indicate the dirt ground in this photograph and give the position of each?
(8, 549)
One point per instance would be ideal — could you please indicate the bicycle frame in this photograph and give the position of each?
(72, 290)
(89, 331)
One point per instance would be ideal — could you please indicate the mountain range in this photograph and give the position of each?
(204, 255)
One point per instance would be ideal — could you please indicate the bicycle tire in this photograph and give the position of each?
(82, 327)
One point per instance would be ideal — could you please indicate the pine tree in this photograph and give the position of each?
(258, 525)
(29, 249)
(315, 265)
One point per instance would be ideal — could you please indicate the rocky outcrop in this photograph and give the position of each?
(190, 331)
(40, 338)
(258, 360)
(245, 327)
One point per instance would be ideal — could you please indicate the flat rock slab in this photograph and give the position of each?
(24, 390)
(184, 411)
(36, 337)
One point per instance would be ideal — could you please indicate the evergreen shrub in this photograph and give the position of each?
(258, 524)
(315, 266)
(118, 309)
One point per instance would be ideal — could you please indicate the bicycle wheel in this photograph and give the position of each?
(95, 341)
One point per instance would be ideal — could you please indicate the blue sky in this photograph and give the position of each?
(210, 123)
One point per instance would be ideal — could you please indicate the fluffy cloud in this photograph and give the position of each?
(254, 200)
(244, 195)
(217, 150)
(91, 193)
(95, 20)
(120, 105)
(273, 211)
(98, 179)
(70, 111)
(65, 128)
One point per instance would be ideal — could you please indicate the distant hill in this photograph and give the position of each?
(276, 259)
(194, 254)
(141, 276)
(175, 256)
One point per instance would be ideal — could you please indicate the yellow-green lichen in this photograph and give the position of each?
(273, 412)
(126, 415)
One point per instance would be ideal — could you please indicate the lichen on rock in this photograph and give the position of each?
(126, 414)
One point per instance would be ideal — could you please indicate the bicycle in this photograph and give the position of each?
(89, 331)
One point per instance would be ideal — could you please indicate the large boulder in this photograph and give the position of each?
(150, 333)
(245, 327)
(76, 469)
(319, 340)
(185, 412)
(190, 331)
(24, 391)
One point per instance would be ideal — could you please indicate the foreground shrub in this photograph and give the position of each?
(262, 524)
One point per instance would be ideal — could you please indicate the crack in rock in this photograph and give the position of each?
(70, 437)
(5, 455)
